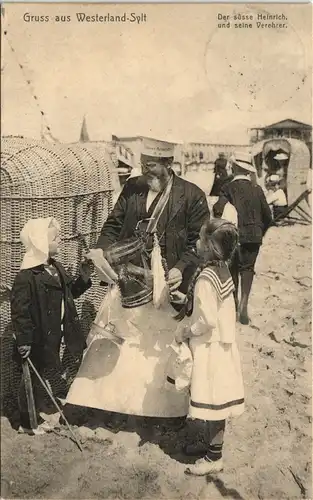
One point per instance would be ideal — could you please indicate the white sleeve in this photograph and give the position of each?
(206, 306)
(282, 197)
(271, 198)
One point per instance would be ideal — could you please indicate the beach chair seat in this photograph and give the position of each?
(300, 211)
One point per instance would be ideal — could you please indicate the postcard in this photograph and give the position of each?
(177, 140)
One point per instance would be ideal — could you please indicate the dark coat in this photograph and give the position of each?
(254, 213)
(220, 176)
(220, 167)
(36, 312)
(178, 227)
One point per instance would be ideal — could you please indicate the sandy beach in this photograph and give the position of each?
(83, 95)
(267, 449)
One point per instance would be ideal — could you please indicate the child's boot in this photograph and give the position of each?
(212, 462)
(205, 466)
(31, 432)
(25, 427)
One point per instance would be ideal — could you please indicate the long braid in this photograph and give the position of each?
(188, 306)
(186, 310)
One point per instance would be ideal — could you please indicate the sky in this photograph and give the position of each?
(177, 76)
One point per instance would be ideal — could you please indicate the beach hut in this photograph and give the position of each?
(290, 157)
(40, 179)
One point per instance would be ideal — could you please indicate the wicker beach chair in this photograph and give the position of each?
(295, 212)
(296, 170)
(40, 179)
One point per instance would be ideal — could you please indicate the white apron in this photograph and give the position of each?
(131, 378)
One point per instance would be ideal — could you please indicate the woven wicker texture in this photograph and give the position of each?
(73, 183)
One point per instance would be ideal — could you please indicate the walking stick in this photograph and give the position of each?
(55, 403)
(29, 395)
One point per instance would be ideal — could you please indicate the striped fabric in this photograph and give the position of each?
(209, 406)
(221, 280)
(170, 380)
(123, 251)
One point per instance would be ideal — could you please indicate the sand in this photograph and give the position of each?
(267, 449)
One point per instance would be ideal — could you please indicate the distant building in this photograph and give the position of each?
(288, 128)
(208, 152)
(184, 154)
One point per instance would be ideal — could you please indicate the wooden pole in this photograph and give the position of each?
(54, 402)
(29, 395)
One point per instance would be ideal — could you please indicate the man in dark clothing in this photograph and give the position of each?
(254, 218)
(220, 174)
(179, 225)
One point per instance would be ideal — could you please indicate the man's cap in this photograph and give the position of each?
(157, 149)
(274, 178)
(244, 161)
(281, 156)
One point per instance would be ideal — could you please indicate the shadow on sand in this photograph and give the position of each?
(170, 434)
(223, 490)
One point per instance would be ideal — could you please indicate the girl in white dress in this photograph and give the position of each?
(216, 390)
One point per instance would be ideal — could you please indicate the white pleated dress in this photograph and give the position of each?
(131, 378)
(216, 390)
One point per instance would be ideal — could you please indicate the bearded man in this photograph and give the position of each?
(180, 223)
(131, 379)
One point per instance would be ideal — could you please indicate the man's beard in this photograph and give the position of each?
(155, 183)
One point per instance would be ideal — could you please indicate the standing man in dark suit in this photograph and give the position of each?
(254, 218)
(220, 174)
(180, 222)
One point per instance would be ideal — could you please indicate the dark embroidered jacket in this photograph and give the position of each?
(36, 299)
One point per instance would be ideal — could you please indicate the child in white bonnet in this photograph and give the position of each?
(43, 309)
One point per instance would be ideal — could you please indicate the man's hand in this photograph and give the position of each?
(86, 269)
(102, 266)
(178, 297)
(175, 279)
(24, 351)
